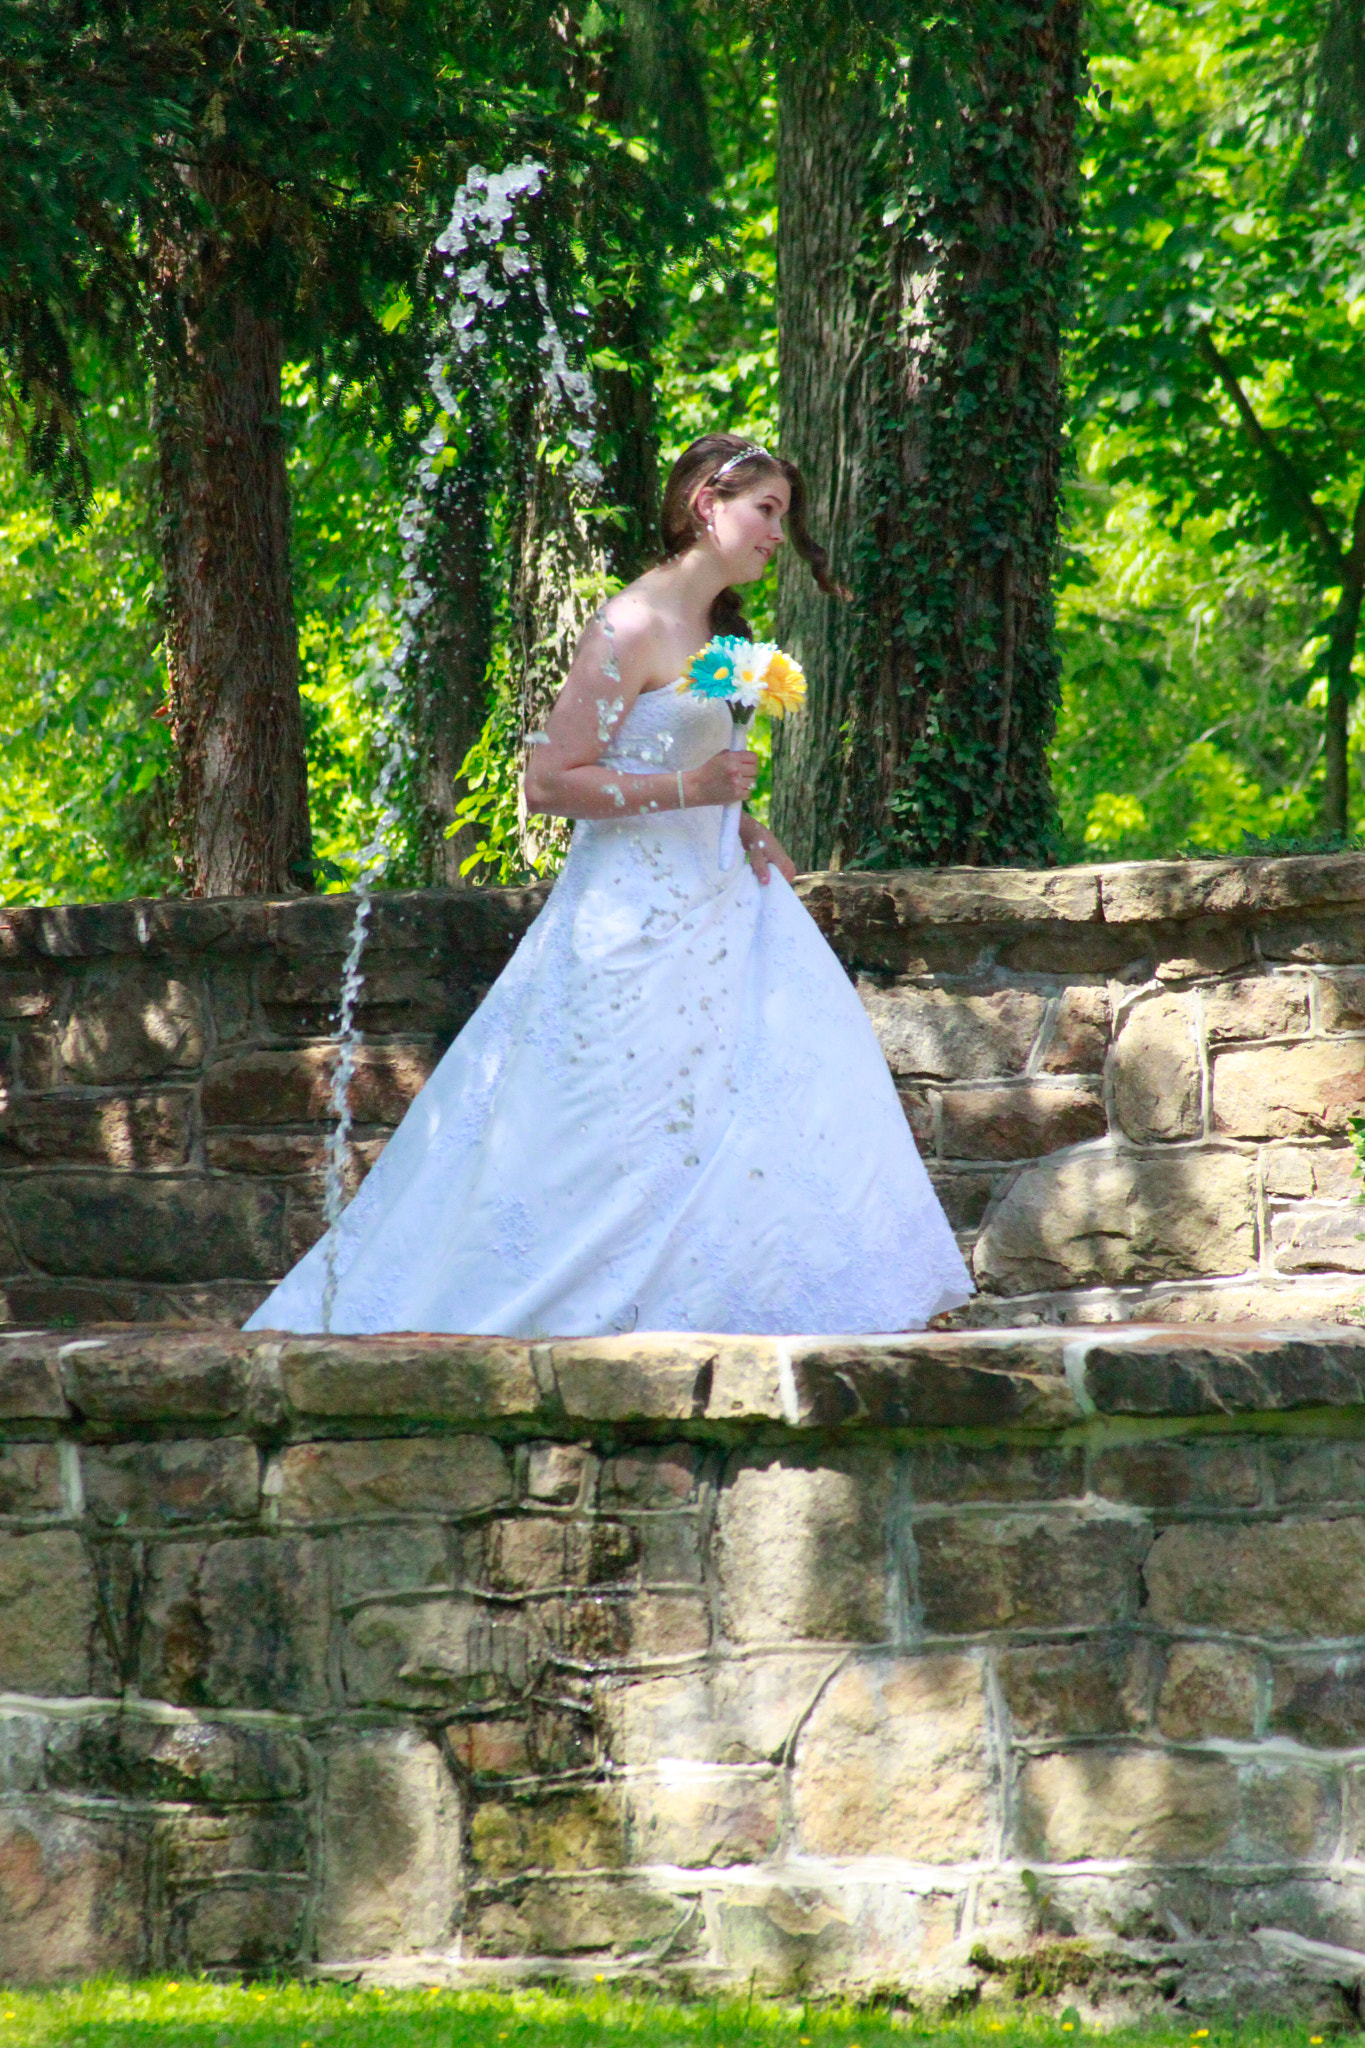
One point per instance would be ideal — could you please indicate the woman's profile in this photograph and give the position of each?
(670, 1111)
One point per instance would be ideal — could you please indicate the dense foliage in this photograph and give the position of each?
(1196, 590)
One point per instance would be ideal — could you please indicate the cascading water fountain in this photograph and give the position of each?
(482, 267)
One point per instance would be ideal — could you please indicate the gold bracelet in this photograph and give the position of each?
(682, 800)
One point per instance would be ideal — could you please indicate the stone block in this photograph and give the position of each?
(1136, 891)
(670, 1548)
(156, 1485)
(440, 1652)
(171, 1228)
(527, 1555)
(1294, 1172)
(802, 1548)
(934, 1381)
(1209, 1690)
(237, 1623)
(1328, 938)
(1180, 1474)
(1158, 1083)
(583, 1916)
(600, 1552)
(1155, 1806)
(1155, 1371)
(30, 1377)
(919, 1105)
(61, 1304)
(1304, 1470)
(30, 1479)
(1272, 1579)
(965, 1197)
(390, 1847)
(288, 1153)
(1320, 1701)
(1289, 1091)
(402, 1559)
(1315, 1237)
(1261, 1006)
(48, 1613)
(704, 1818)
(893, 1762)
(1341, 1000)
(247, 1927)
(391, 1475)
(108, 1130)
(1290, 1813)
(671, 1624)
(1103, 1220)
(788, 1936)
(1050, 1570)
(739, 1711)
(1020, 1120)
(1099, 1686)
(942, 1471)
(666, 1378)
(160, 1376)
(125, 1756)
(561, 1475)
(414, 1378)
(577, 1830)
(73, 1896)
(1080, 1033)
(403, 995)
(21, 1752)
(938, 1035)
(131, 1024)
(523, 1743)
(265, 1088)
(1194, 951)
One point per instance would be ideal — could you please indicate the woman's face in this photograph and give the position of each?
(746, 531)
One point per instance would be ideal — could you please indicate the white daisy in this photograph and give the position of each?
(750, 669)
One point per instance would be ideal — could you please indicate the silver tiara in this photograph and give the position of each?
(732, 461)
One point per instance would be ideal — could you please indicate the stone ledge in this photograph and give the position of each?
(486, 921)
(275, 1384)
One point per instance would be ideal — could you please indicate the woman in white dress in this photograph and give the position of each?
(670, 1112)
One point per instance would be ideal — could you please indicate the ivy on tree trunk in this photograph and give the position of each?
(231, 636)
(922, 298)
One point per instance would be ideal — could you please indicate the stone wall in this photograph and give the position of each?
(909, 1663)
(1132, 1084)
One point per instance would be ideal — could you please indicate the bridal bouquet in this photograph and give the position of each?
(749, 676)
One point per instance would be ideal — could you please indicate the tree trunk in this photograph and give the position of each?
(936, 465)
(629, 435)
(561, 578)
(232, 641)
(452, 669)
(1343, 630)
(826, 130)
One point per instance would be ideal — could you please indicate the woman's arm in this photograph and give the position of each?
(564, 775)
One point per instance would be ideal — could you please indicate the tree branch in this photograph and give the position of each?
(1261, 437)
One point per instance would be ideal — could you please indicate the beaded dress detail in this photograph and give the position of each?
(670, 1112)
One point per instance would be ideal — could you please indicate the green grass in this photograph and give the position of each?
(196, 2014)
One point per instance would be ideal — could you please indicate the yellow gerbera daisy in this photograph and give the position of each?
(784, 686)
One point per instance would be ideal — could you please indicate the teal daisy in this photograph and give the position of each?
(711, 673)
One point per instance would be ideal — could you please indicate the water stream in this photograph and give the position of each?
(487, 258)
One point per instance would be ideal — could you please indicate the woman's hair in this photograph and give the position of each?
(732, 465)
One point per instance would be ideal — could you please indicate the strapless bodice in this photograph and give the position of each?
(668, 729)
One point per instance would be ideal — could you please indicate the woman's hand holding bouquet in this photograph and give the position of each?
(749, 676)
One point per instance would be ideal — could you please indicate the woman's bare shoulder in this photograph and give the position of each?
(635, 626)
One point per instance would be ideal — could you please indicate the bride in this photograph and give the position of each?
(670, 1111)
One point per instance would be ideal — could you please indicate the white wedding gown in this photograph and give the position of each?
(669, 1113)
